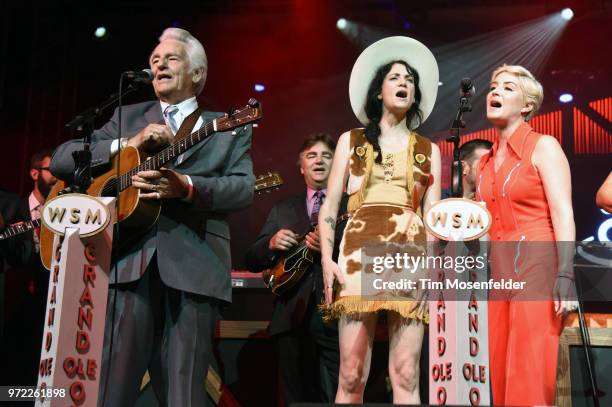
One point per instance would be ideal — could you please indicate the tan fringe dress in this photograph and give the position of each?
(385, 221)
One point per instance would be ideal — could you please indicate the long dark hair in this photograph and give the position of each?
(373, 107)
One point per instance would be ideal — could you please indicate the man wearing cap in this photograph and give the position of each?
(164, 298)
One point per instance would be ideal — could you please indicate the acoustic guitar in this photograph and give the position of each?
(268, 181)
(138, 215)
(262, 183)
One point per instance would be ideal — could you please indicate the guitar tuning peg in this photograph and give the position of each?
(234, 133)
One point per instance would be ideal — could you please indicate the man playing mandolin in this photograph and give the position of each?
(171, 278)
(307, 347)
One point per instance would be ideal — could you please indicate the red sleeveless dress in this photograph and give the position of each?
(523, 328)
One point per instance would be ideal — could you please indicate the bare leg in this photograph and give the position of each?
(356, 335)
(405, 339)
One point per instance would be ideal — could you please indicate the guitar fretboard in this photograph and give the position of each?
(18, 228)
(168, 154)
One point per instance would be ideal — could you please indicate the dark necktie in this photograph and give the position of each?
(318, 198)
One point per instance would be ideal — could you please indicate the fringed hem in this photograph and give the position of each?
(355, 304)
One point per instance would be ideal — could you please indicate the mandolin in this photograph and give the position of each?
(292, 265)
(290, 268)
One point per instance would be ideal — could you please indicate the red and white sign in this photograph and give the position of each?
(458, 338)
(71, 355)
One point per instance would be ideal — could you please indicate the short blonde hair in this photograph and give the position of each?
(195, 51)
(533, 92)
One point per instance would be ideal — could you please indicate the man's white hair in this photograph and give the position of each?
(195, 51)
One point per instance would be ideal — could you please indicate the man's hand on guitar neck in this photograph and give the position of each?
(152, 138)
(284, 239)
(162, 184)
(312, 241)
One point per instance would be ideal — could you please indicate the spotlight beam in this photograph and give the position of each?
(529, 44)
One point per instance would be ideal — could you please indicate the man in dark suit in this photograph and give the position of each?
(30, 282)
(14, 251)
(170, 281)
(308, 354)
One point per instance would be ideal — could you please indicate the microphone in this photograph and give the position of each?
(467, 87)
(144, 76)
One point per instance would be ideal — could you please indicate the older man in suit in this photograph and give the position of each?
(170, 281)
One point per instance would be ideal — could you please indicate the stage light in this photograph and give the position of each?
(567, 14)
(566, 98)
(341, 23)
(407, 25)
(259, 87)
(100, 32)
(528, 43)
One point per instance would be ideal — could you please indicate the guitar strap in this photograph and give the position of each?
(187, 125)
(185, 129)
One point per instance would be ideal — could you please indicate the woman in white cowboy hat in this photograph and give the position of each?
(391, 172)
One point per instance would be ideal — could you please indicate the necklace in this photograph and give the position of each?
(388, 167)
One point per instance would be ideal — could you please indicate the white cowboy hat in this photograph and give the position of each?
(389, 49)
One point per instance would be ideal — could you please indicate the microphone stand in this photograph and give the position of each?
(84, 124)
(458, 123)
(589, 359)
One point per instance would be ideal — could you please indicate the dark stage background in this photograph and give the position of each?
(52, 67)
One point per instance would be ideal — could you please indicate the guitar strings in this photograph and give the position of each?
(159, 159)
(167, 154)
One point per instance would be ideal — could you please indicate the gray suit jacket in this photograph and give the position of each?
(191, 239)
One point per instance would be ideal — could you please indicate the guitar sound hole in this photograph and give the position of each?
(110, 189)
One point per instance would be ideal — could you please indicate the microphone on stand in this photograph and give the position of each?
(466, 91)
(144, 76)
(467, 87)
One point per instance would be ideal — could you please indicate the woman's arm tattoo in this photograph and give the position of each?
(331, 222)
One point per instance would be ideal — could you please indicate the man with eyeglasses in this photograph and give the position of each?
(43, 182)
(29, 283)
(36, 275)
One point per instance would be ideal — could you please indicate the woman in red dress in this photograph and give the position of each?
(526, 184)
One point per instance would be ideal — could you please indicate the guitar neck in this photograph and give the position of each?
(18, 228)
(169, 153)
